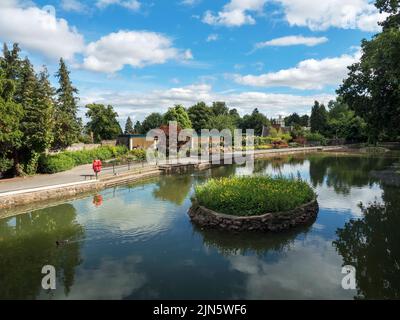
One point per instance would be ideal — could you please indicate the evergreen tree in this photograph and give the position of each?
(67, 125)
(36, 95)
(129, 126)
(11, 114)
(319, 118)
(138, 128)
(11, 63)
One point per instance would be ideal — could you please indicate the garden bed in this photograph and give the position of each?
(253, 203)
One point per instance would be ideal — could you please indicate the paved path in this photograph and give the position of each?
(77, 174)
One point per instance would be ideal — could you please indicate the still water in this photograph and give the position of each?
(137, 242)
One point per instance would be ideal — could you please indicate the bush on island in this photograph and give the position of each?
(251, 196)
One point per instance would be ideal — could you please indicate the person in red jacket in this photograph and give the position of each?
(97, 166)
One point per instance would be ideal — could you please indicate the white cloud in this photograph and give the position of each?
(135, 48)
(321, 15)
(190, 3)
(73, 5)
(212, 37)
(39, 30)
(308, 74)
(235, 13)
(133, 5)
(140, 104)
(292, 41)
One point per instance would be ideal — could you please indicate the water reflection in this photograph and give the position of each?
(372, 245)
(28, 242)
(176, 194)
(230, 243)
(137, 241)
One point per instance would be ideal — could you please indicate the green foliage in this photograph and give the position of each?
(293, 119)
(246, 196)
(11, 114)
(200, 115)
(178, 113)
(103, 122)
(372, 87)
(255, 121)
(319, 118)
(68, 159)
(55, 163)
(221, 122)
(67, 125)
(138, 154)
(219, 108)
(129, 126)
(315, 137)
(152, 121)
(5, 164)
(138, 128)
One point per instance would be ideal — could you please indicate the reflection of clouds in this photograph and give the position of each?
(111, 280)
(285, 169)
(310, 270)
(329, 199)
(131, 215)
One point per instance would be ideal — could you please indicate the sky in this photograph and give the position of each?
(144, 56)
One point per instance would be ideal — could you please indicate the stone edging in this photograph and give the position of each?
(277, 221)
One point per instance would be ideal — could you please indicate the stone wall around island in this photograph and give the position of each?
(272, 222)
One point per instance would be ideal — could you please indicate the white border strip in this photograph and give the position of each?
(44, 188)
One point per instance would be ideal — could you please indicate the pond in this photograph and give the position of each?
(137, 242)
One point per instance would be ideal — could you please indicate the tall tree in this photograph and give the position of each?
(103, 122)
(219, 108)
(256, 120)
(38, 121)
(319, 118)
(372, 87)
(234, 114)
(292, 120)
(221, 122)
(138, 128)
(11, 136)
(67, 124)
(11, 63)
(305, 120)
(152, 121)
(128, 126)
(199, 115)
(178, 113)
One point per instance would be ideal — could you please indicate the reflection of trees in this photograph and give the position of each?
(173, 188)
(344, 172)
(29, 245)
(228, 243)
(372, 246)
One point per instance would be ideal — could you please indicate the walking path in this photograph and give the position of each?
(81, 173)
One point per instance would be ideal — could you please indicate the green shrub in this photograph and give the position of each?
(246, 196)
(5, 164)
(315, 137)
(52, 163)
(55, 163)
(138, 154)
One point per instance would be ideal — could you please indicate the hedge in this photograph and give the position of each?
(68, 159)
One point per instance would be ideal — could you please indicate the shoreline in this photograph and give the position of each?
(64, 192)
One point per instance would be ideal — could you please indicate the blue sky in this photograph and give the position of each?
(143, 56)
